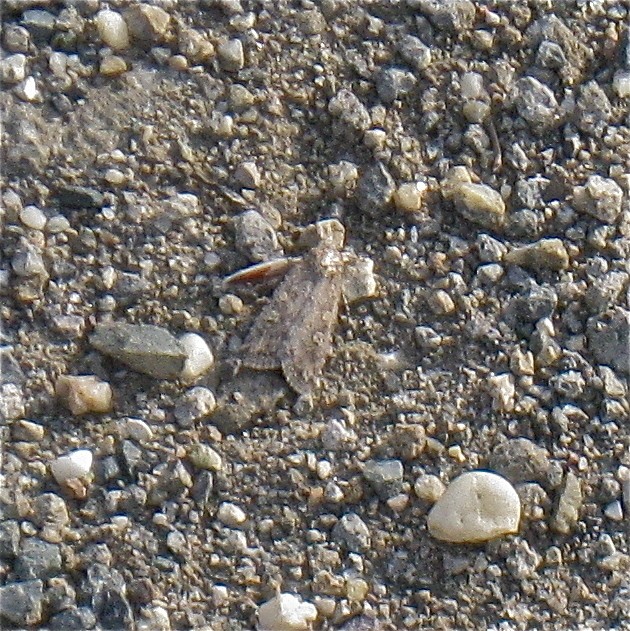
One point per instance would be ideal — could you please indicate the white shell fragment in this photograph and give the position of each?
(199, 357)
(477, 506)
(76, 464)
(286, 612)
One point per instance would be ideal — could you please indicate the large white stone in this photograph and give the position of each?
(76, 464)
(286, 612)
(477, 506)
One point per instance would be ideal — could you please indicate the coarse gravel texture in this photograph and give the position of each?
(498, 338)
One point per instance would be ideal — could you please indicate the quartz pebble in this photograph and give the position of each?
(147, 23)
(33, 217)
(231, 514)
(83, 394)
(76, 464)
(199, 357)
(359, 282)
(409, 196)
(231, 55)
(600, 197)
(477, 506)
(112, 29)
(13, 68)
(286, 612)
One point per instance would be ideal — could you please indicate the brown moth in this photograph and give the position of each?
(293, 333)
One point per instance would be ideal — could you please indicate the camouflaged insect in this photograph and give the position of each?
(294, 331)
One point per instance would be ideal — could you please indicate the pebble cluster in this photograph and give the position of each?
(464, 461)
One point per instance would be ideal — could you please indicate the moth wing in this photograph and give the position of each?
(309, 341)
(266, 338)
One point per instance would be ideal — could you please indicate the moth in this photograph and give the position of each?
(293, 333)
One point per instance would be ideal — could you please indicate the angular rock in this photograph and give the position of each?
(9, 538)
(600, 197)
(286, 612)
(351, 532)
(521, 460)
(76, 464)
(147, 23)
(481, 204)
(145, 348)
(477, 506)
(536, 103)
(38, 559)
(73, 619)
(83, 394)
(375, 189)
(256, 237)
(22, 603)
(70, 196)
(569, 504)
(608, 336)
(385, 476)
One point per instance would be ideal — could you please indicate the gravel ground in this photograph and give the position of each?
(477, 155)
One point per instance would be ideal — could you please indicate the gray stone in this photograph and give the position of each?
(132, 457)
(70, 196)
(346, 106)
(27, 261)
(593, 109)
(604, 292)
(521, 460)
(22, 603)
(148, 349)
(451, 15)
(385, 476)
(550, 55)
(536, 103)
(50, 509)
(13, 68)
(600, 197)
(9, 539)
(37, 559)
(73, 619)
(40, 24)
(16, 39)
(256, 237)
(394, 83)
(352, 532)
(569, 384)
(528, 193)
(414, 52)
(375, 189)
(522, 312)
(608, 336)
(490, 250)
(337, 436)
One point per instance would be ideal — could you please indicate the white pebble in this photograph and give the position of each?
(28, 91)
(85, 393)
(112, 29)
(477, 506)
(13, 68)
(137, 429)
(614, 511)
(286, 612)
(231, 515)
(199, 358)
(33, 217)
(621, 83)
(359, 282)
(76, 464)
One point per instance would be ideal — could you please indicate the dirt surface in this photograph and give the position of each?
(471, 341)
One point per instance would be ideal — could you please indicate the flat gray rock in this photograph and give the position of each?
(145, 348)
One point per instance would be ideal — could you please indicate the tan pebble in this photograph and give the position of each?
(83, 394)
(147, 23)
(481, 204)
(113, 66)
(441, 303)
(544, 254)
(409, 197)
(112, 29)
(429, 488)
(229, 304)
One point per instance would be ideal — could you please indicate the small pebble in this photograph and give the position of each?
(194, 405)
(247, 175)
(429, 488)
(231, 514)
(199, 357)
(84, 394)
(33, 217)
(544, 254)
(231, 55)
(13, 68)
(621, 83)
(286, 612)
(614, 511)
(137, 429)
(477, 506)
(230, 304)
(28, 90)
(568, 511)
(409, 196)
(147, 23)
(359, 282)
(204, 457)
(76, 464)
(481, 204)
(600, 197)
(28, 431)
(112, 29)
(441, 303)
(113, 66)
